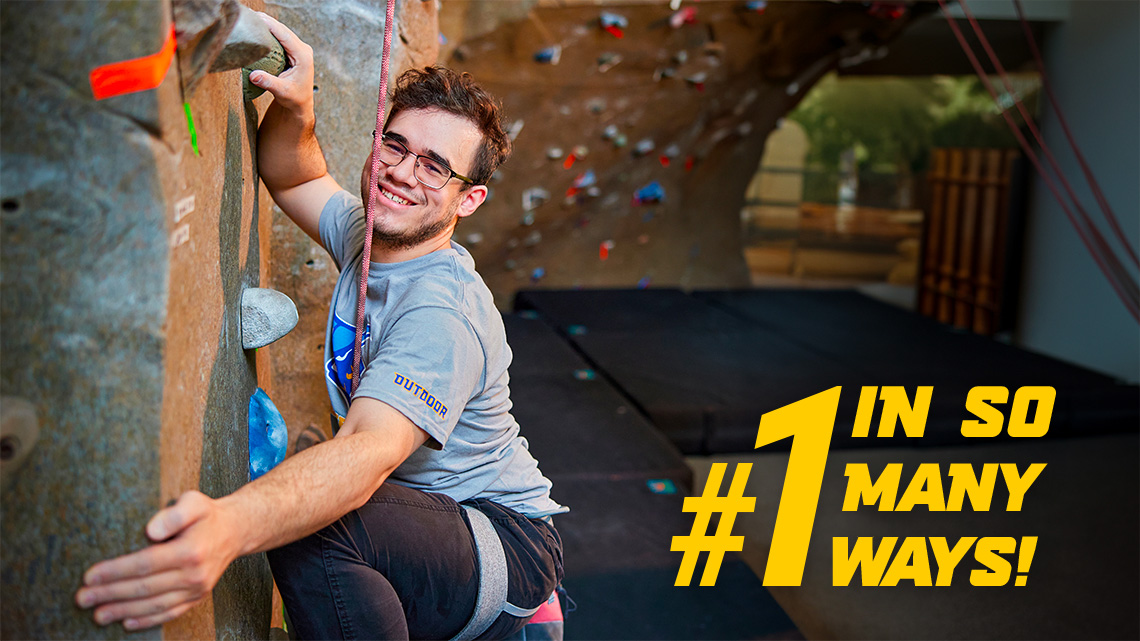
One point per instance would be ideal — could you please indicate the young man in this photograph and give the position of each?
(366, 534)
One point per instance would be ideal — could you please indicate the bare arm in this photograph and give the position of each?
(198, 537)
(289, 158)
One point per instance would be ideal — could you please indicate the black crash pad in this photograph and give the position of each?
(621, 573)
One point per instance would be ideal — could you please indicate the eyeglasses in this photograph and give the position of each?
(429, 172)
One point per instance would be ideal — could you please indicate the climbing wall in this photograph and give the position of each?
(674, 105)
(128, 238)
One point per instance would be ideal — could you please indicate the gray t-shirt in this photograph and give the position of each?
(440, 357)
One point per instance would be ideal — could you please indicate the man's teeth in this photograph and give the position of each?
(394, 198)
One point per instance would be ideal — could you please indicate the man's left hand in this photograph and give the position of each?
(194, 541)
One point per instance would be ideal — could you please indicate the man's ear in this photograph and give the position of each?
(471, 197)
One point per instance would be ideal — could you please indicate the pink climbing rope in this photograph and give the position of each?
(373, 194)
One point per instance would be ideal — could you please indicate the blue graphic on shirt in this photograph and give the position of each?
(339, 368)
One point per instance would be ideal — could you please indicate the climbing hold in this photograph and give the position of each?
(554, 153)
(533, 238)
(534, 197)
(19, 430)
(614, 23)
(689, 162)
(585, 179)
(549, 55)
(643, 283)
(608, 61)
(644, 238)
(620, 141)
(643, 147)
(474, 238)
(662, 486)
(251, 34)
(585, 374)
(576, 330)
(744, 128)
(681, 57)
(528, 219)
(266, 315)
(610, 132)
(515, 129)
(698, 80)
(682, 17)
(581, 151)
(537, 274)
(594, 192)
(604, 249)
(596, 105)
(511, 264)
(268, 436)
(649, 194)
(528, 314)
(756, 5)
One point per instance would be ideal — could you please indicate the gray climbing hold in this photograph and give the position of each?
(266, 315)
(19, 430)
(249, 37)
(248, 42)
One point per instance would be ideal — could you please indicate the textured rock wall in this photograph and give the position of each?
(347, 38)
(124, 256)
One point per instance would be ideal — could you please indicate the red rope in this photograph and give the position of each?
(373, 194)
(1112, 271)
(1100, 199)
(1041, 141)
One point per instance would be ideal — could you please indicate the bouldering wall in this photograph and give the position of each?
(682, 99)
(125, 254)
(347, 40)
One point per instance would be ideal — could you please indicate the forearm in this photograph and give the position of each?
(288, 152)
(310, 490)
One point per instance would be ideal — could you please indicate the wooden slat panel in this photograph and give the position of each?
(949, 234)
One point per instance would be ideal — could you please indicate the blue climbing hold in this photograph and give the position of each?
(267, 435)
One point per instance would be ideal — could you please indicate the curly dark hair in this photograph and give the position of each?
(441, 88)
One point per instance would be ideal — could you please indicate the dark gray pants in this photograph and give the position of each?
(404, 566)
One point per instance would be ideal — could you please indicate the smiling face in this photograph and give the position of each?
(410, 216)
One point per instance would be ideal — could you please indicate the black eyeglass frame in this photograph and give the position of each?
(454, 174)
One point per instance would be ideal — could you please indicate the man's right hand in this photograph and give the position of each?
(293, 89)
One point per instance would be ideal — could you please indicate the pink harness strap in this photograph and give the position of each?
(373, 194)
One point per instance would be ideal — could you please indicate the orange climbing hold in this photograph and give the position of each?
(138, 74)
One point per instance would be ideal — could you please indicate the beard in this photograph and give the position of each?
(399, 241)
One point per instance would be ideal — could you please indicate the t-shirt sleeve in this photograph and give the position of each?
(428, 366)
(341, 227)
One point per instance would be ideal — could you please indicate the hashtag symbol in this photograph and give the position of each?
(721, 542)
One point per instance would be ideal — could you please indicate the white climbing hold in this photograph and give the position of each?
(266, 315)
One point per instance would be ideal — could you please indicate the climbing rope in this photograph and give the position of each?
(1122, 283)
(373, 194)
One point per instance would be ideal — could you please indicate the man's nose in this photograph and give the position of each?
(405, 170)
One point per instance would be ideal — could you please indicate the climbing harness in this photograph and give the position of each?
(492, 597)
